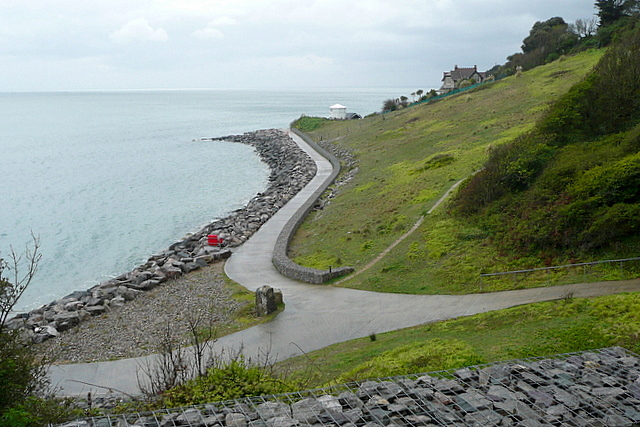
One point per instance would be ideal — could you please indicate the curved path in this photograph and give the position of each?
(316, 316)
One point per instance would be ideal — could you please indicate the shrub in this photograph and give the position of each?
(36, 411)
(308, 124)
(20, 375)
(233, 380)
(612, 224)
(571, 184)
(389, 105)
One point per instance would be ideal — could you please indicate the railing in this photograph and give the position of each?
(451, 93)
(584, 265)
(455, 91)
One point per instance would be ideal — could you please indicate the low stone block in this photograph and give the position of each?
(265, 301)
(66, 320)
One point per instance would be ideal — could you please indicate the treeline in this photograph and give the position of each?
(572, 185)
(549, 40)
(420, 95)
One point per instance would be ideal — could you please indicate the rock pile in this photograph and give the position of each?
(349, 168)
(291, 169)
(598, 388)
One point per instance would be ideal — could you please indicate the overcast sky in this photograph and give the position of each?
(218, 44)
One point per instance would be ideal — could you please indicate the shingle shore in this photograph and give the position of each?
(291, 169)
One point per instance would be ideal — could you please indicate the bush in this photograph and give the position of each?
(34, 412)
(308, 124)
(20, 375)
(552, 57)
(572, 184)
(233, 380)
(613, 224)
(389, 105)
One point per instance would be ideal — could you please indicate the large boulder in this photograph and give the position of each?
(267, 300)
(66, 320)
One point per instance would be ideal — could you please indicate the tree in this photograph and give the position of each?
(550, 36)
(610, 11)
(585, 27)
(613, 15)
(547, 40)
(22, 375)
(389, 105)
(11, 291)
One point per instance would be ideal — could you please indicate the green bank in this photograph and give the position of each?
(532, 330)
(502, 219)
(549, 160)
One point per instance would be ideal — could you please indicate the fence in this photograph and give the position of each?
(584, 265)
(450, 93)
(464, 397)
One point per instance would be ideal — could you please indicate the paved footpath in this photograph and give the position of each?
(315, 316)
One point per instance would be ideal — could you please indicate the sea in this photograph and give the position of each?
(104, 179)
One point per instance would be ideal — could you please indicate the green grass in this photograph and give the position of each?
(244, 316)
(407, 160)
(540, 329)
(307, 124)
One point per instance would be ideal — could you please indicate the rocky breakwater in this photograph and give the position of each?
(291, 169)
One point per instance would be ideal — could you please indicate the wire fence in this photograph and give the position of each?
(449, 93)
(597, 387)
(613, 269)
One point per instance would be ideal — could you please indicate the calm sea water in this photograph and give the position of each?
(108, 178)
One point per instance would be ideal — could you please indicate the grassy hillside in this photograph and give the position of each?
(407, 160)
(571, 187)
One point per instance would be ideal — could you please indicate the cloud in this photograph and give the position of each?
(223, 21)
(208, 34)
(304, 62)
(263, 43)
(139, 29)
(211, 31)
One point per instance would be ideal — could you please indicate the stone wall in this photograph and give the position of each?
(281, 260)
(592, 388)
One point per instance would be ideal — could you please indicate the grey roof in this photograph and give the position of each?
(463, 73)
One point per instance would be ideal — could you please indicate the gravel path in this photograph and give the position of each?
(136, 328)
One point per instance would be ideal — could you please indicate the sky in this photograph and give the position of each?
(259, 44)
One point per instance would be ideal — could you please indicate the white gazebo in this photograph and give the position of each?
(338, 112)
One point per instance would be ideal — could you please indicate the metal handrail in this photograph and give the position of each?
(559, 266)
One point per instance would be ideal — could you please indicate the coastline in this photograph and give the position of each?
(291, 169)
(139, 327)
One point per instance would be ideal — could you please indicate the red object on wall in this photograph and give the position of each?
(214, 240)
